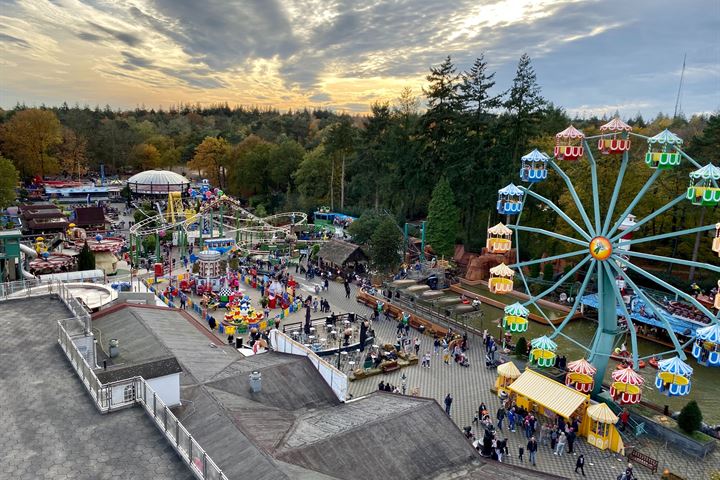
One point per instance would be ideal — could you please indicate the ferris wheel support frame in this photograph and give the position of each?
(609, 295)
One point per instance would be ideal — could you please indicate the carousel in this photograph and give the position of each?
(673, 377)
(499, 239)
(706, 348)
(542, 351)
(580, 375)
(105, 249)
(501, 279)
(241, 315)
(626, 386)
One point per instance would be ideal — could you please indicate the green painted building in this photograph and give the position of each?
(9, 255)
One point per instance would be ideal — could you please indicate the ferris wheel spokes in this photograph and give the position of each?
(642, 222)
(562, 214)
(631, 327)
(596, 194)
(667, 235)
(549, 259)
(659, 281)
(541, 231)
(616, 192)
(639, 196)
(575, 197)
(677, 261)
(687, 157)
(651, 306)
(576, 304)
(560, 281)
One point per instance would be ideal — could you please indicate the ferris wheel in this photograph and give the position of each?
(602, 243)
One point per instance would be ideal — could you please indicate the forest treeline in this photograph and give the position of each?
(470, 131)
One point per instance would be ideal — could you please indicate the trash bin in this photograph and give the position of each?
(255, 382)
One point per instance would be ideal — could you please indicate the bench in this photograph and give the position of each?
(644, 460)
(390, 366)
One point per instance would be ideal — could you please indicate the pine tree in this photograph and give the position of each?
(690, 418)
(475, 92)
(524, 105)
(443, 218)
(86, 259)
(441, 120)
(385, 246)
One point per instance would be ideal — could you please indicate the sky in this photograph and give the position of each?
(590, 57)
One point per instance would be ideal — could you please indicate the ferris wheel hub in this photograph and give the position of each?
(600, 248)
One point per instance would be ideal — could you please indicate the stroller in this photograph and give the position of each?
(462, 360)
(490, 361)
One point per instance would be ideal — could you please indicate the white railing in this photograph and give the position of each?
(136, 390)
(337, 380)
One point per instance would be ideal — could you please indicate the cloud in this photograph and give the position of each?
(320, 97)
(5, 38)
(129, 39)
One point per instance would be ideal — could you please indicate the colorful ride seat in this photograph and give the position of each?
(672, 385)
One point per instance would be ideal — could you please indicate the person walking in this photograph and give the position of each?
(571, 440)
(446, 356)
(511, 419)
(417, 345)
(448, 403)
(532, 447)
(436, 345)
(426, 360)
(562, 440)
(624, 420)
(500, 417)
(580, 464)
(553, 437)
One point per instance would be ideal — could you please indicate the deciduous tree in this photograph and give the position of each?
(209, 157)
(72, 153)
(385, 246)
(8, 182)
(145, 156)
(28, 139)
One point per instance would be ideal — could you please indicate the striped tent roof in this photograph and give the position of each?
(500, 229)
(517, 309)
(666, 137)
(627, 375)
(600, 412)
(570, 132)
(709, 171)
(502, 270)
(535, 156)
(615, 125)
(545, 391)
(709, 334)
(675, 366)
(582, 366)
(543, 343)
(508, 370)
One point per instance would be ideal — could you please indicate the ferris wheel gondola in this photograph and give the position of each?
(605, 241)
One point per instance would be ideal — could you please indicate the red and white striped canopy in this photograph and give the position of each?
(582, 366)
(570, 132)
(627, 375)
(615, 125)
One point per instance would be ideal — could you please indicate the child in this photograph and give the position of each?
(521, 451)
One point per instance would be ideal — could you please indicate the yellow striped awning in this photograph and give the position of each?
(547, 392)
(602, 413)
(508, 370)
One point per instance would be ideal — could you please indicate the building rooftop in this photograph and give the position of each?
(51, 428)
(141, 351)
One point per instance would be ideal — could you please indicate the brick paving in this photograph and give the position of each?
(470, 386)
(49, 427)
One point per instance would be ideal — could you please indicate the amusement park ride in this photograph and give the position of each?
(221, 222)
(605, 248)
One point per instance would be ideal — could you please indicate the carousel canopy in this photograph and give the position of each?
(582, 366)
(675, 366)
(535, 156)
(627, 375)
(543, 343)
(666, 137)
(508, 370)
(502, 270)
(707, 172)
(547, 392)
(570, 132)
(517, 310)
(157, 181)
(616, 125)
(500, 229)
(511, 190)
(709, 334)
(600, 412)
